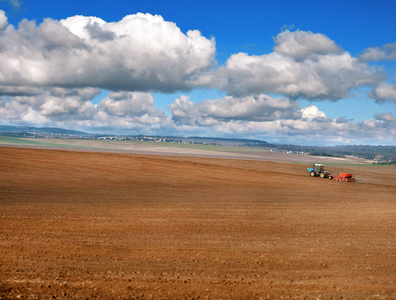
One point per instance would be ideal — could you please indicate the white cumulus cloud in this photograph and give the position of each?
(312, 112)
(52, 104)
(386, 117)
(141, 52)
(304, 44)
(303, 64)
(124, 104)
(3, 20)
(73, 107)
(249, 108)
(386, 52)
(384, 92)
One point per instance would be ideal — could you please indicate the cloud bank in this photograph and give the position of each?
(259, 108)
(51, 72)
(262, 116)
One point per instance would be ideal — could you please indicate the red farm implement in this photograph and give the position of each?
(345, 177)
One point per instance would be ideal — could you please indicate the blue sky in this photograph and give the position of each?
(303, 72)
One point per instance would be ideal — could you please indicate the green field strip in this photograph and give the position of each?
(22, 141)
(217, 148)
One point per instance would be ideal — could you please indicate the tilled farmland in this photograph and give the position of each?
(118, 226)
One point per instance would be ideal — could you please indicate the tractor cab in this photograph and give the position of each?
(318, 168)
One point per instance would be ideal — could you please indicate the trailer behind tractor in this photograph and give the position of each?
(345, 177)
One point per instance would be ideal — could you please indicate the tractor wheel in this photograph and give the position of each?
(313, 174)
(322, 175)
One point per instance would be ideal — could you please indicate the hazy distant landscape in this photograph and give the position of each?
(55, 137)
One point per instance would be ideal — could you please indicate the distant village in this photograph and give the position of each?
(153, 139)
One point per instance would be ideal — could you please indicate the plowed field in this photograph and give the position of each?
(111, 225)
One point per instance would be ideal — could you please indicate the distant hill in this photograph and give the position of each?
(31, 131)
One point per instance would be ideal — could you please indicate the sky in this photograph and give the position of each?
(299, 72)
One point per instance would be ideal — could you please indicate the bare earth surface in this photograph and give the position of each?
(81, 224)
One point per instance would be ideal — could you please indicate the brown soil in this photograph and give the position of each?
(109, 225)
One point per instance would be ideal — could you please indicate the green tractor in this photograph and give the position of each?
(318, 170)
